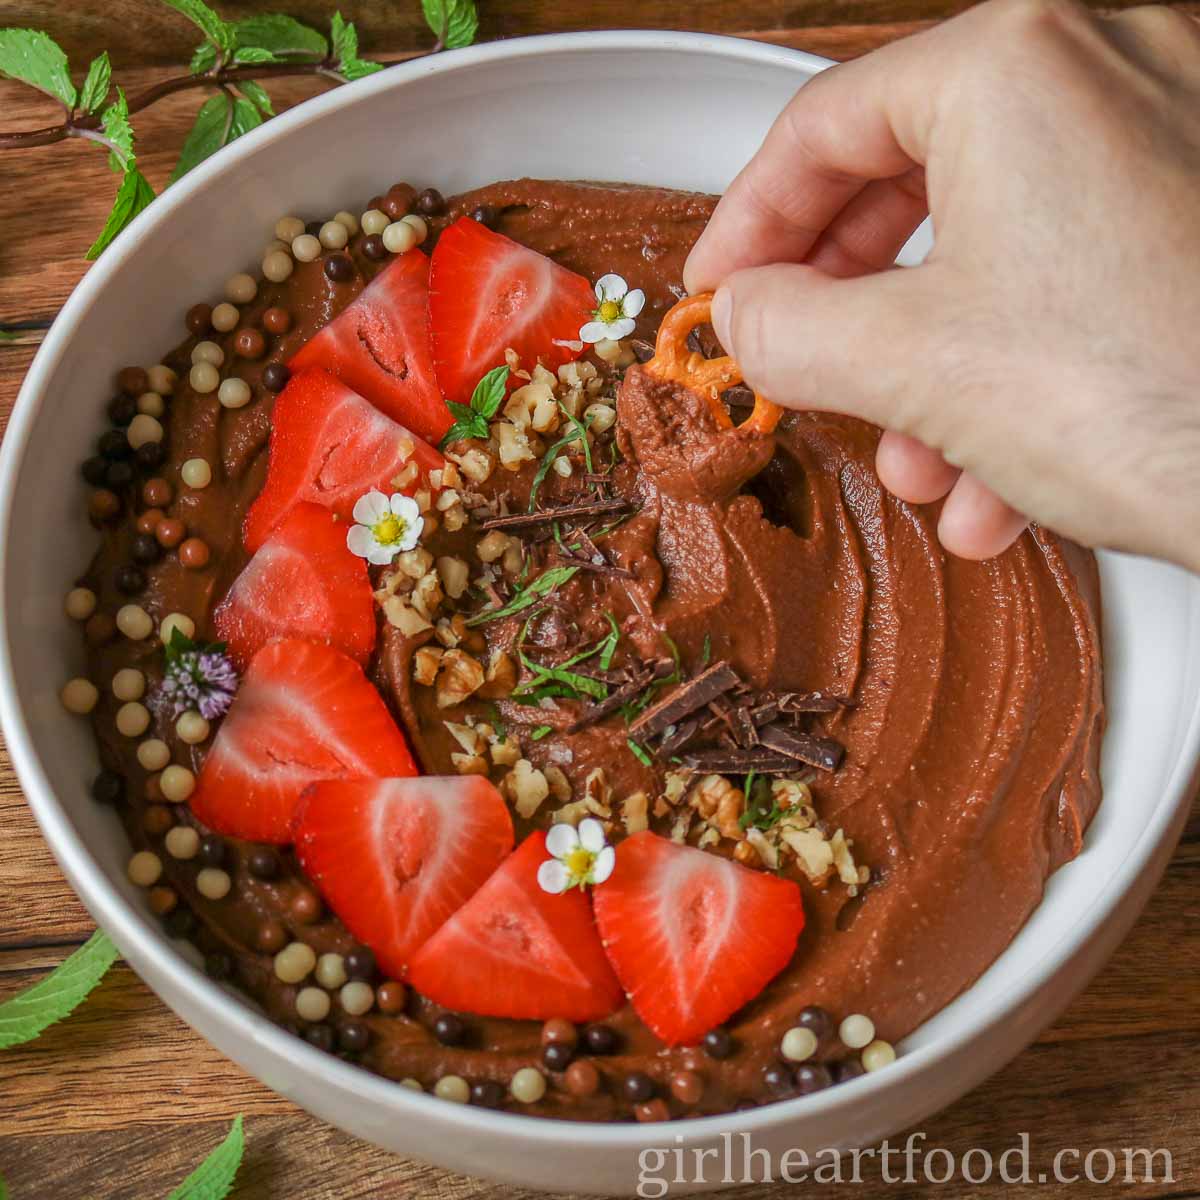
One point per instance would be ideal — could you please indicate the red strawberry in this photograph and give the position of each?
(488, 294)
(329, 447)
(301, 582)
(514, 950)
(693, 936)
(396, 857)
(379, 346)
(304, 712)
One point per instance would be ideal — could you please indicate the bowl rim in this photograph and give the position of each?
(223, 1009)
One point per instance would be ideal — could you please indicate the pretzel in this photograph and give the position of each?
(709, 377)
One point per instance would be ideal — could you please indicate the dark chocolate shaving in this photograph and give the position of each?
(616, 700)
(823, 753)
(809, 702)
(738, 762)
(690, 695)
(643, 350)
(677, 736)
(565, 512)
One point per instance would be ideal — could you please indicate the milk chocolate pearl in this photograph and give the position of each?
(306, 907)
(144, 548)
(391, 996)
(94, 470)
(652, 1110)
(162, 900)
(486, 1093)
(157, 493)
(557, 1055)
(150, 455)
(275, 377)
(108, 788)
(199, 318)
(153, 791)
(194, 553)
(374, 248)
(147, 521)
(320, 1036)
(430, 203)
(170, 532)
(398, 202)
(812, 1077)
(558, 1030)
(449, 1029)
(582, 1078)
(277, 320)
(103, 506)
(687, 1087)
(132, 380)
(638, 1087)
(249, 343)
(100, 628)
(360, 964)
(353, 1036)
(122, 408)
(270, 937)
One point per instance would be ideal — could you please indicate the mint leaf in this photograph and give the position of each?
(281, 35)
(29, 1012)
(457, 20)
(134, 194)
(204, 58)
(578, 433)
(95, 87)
(214, 1177)
(257, 95)
(245, 118)
(250, 55)
(37, 59)
(218, 32)
(489, 392)
(115, 122)
(547, 581)
(345, 50)
(219, 122)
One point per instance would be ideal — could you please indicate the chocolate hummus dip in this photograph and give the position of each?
(746, 646)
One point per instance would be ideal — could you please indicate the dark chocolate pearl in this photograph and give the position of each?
(114, 445)
(777, 1079)
(398, 202)
(180, 923)
(360, 964)
(557, 1056)
(487, 1094)
(339, 268)
(276, 320)
(812, 1077)
(94, 470)
(320, 1036)
(129, 580)
(847, 1069)
(119, 474)
(144, 549)
(275, 377)
(249, 343)
(264, 863)
(213, 851)
(122, 409)
(108, 788)
(449, 1029)
(600, 1039)
(816, 1020)
(485, 214)
(99, 628)
(133, 380)
(638, 1087)
(218, 965)
(718, 1044)
(373, 247)
(150, 455)
(199, 318)
(430, 203)
(354, 1036)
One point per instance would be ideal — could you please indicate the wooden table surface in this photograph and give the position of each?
(121, 1100)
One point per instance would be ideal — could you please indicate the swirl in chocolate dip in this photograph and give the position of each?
(973, 702)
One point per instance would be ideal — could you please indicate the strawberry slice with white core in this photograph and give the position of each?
(394, 858)
(693, 936)
(304, 713)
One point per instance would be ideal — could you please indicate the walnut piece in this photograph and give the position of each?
(459, 678)
(425, 665)
(526, 787)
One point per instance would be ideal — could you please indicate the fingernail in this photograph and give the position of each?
(722, 313)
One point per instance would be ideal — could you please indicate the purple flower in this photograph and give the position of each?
(199, 677)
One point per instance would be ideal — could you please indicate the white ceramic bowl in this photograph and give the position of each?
(665, 108)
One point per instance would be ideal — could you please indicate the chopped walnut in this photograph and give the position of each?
(406, 477)
(493, 544)
(674, 786)
(746, 853)
(596, 788)
(505, 751)
(634, 812)
(455, 518)
(514, 559)
(720, 803)
(513, 445)
(427, 595)
(525, 402)
(571, 814)
(423, 498)
(470, 764)
(448, 497)
(475, 464)
(460, 677)
(526, 787)
(683, 822)
(501, 676)
(467, 736)
(454, 574)
(813, 853)
(425, 665)
(560, 785)
(415, 563)
(603, 417)
(761, 848)
(450, 475)
(404, 617)
(445, 633)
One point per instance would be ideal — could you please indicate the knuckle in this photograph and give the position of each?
(1041, 20)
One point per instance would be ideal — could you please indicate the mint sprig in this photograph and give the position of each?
(37, 59)
(345, 50)
(455, 22)
(213, 1178)
(58, 995)
(217, 32)
(95, 87)
(471, 420)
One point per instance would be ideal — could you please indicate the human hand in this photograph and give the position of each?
(1044, 360)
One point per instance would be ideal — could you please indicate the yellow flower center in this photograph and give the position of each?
(579, 862)
(609, 311)
(390, 530)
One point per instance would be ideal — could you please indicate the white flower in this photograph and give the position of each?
(581, 856)
(616, 308)
(384, 527)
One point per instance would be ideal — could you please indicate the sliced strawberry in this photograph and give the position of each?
(304, 712)
(329, 447)
(379, 346)
(302, 582)
(396, 857)
(514, 950)
(488, 294)
(693, 936)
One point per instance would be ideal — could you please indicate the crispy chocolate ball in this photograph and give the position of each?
(638, 1087)
(108, 788)
(277, 320)
(353, 1036)
(249, 343)
(199, 319)
(600, 1039)
(144, 548)
(94, 470)
(374, 248)
(339, 268)
(360, 964)
(486, 1093)
(122, 408)
(275, 377)
(449, 1029)
(812, 1077)
(133, 381)
(264, 863)
(718, 1044)
(557, 1055)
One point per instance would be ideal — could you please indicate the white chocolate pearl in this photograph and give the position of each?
(173, 621)
(334, 235)
(177, 783)
(357, 997)
(134, 622)
(241, 288)
(153, 754)
(288, 229)
(277, 266)
(145, 868)
(191, 728)
(348, 219)
(208, 352)
(276, 244)
(418, 225)
(878, 1054)
(129, 684)
(374, 221)
(306, 248)
(204, 378)
(399, 237)
(798, 1044)
(133, 719)
(294, 962)
(196, 472)
(452, 1087)
(234, 393)
(80, 603)
(182, 842)
(331, 970)
(213, 883)
(312, 1004)
(143, 429)
(528, 1085)
(151, 403)
(161, 379)
(225, 317)
(413, 1085)
(856, 1031)
(79, 696)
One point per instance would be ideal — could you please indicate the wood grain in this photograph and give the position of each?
(122, 1100)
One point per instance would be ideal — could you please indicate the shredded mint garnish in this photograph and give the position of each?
(578, 434)
(639, 753)
(546, 582)
(540, 732)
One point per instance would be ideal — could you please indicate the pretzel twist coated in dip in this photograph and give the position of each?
(707, 377)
